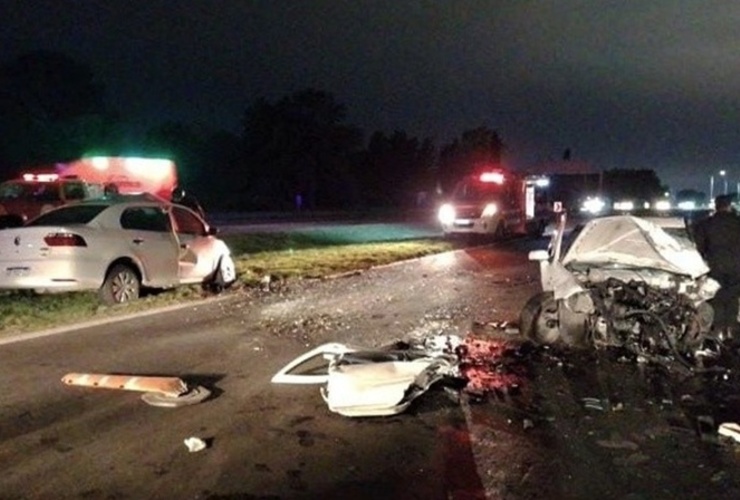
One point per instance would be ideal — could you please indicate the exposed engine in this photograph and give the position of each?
(627, 282)
(657, 324)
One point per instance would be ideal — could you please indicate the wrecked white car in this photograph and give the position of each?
(623, 281)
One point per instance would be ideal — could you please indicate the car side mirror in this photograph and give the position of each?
(539, 255)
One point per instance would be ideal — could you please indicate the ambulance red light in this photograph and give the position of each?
(496, 177)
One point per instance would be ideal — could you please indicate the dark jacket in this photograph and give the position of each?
(718, 241)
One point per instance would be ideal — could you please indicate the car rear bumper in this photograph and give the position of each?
(47, 275)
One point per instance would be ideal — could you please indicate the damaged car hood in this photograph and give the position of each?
(624, 241)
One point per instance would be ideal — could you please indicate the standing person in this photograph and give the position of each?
(718, 240)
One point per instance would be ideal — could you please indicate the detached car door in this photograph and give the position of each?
(152, 241)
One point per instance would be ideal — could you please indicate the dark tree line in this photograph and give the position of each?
(298, 151)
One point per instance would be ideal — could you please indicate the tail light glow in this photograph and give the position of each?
(64, 240)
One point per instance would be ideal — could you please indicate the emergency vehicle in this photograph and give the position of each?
(35, 193)
(497, 202)
(38, 191)
(129, 175)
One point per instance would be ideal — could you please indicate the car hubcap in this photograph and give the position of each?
(124, 287)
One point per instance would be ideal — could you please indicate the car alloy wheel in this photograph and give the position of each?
(121, 285)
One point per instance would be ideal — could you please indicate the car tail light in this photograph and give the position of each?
(64, 240)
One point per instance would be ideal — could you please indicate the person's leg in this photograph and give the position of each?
(723, 308)
(733, 309)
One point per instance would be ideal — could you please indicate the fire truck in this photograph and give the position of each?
(497, 202)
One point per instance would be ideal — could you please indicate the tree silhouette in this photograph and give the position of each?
(698, 197)
(635, 184)
(207, 162)
(300, 145)
(396, 169)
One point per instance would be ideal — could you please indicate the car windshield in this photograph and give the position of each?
(681, 234)
(475, 190)
(72, 214)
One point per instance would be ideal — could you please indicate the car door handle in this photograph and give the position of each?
(184, 246)
(138, 241)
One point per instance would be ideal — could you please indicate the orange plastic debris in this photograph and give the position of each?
(169, 386)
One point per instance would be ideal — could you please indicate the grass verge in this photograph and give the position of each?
(281, 256)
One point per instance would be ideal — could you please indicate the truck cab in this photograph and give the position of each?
(32, 194)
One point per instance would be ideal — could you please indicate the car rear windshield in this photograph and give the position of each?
(72, 214)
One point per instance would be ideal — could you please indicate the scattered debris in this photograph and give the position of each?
(193, 396)
(384, 381)
(706, 428)
(595, 404)
(730, 429)
(195, 444)
(266, 283)
(632, 460)
(170, 392)
(618, 444)
(504, 327)
(488, 365)
(361, 382)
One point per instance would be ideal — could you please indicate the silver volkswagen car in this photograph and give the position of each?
(115, 246)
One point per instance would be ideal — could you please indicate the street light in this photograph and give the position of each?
(722, 174)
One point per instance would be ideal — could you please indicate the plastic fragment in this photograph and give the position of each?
(195, 444)
(731, 430)
(593, 404)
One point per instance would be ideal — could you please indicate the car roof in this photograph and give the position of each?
(117, 204)
(143, 199)
(666, 220)
(115, 199)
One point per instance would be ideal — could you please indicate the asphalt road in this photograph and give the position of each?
(637, 439)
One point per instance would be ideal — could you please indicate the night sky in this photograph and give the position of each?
(623, 84)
